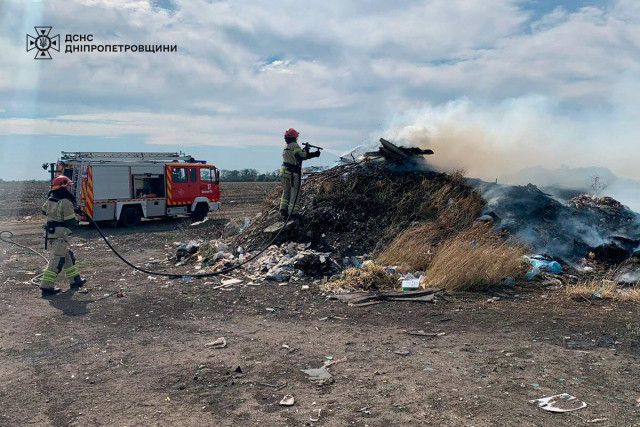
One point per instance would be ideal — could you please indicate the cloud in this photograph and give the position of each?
(499, 71)
(171, 129)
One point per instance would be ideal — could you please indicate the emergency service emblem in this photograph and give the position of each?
(43, 42)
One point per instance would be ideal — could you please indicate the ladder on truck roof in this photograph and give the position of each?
(123, 156)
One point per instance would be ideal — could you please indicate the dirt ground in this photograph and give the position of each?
(140, 359)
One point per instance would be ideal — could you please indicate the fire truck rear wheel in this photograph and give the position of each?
(130, 217)
(200, 212)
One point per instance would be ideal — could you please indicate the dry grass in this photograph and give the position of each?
(475, 259)
(414, 248)
(603, 288)
(455, 207)
(368, 278)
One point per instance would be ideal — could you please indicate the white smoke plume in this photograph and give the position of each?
(490, 141)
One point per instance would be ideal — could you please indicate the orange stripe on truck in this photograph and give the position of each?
(169, 186)
(90, 191)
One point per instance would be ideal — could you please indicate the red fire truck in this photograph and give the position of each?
(127, 187)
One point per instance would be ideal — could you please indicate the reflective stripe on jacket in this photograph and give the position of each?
(292, 157)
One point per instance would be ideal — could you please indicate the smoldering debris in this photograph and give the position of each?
(389, 210)
(569, 232)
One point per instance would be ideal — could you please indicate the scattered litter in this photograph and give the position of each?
(317, 374)
(545, 265)
(219, 343)
(329, 357)
(563, 402)
(362, 299)
(540, 264)
(120, 294)
(317, 417)
(365, 410)
(494, 299)
(288, 400)
(230, 282)
(194, 224)
(83, 291)
(597, 420)
(425, 334)
(402, 352)
(328, 363)
(410, 282)
(291, 350)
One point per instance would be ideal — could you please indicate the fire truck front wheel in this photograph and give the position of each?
(200, 212)
(130, 217)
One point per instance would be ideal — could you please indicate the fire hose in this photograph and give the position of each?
(9, 240)
(186, 277)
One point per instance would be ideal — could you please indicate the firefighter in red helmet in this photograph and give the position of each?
(290, 173)
(61, 218)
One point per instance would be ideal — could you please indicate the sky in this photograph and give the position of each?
(492, 86)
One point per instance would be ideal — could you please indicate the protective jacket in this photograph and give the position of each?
(61, 217)
(292, 157)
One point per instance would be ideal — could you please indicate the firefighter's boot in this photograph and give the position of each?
(73, 275)
(48, 292)
(78, 282)
(48, 283)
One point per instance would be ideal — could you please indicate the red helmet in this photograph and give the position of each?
(61, 182)
(291, 133)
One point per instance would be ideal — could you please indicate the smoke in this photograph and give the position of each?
(630, 277)
(490, 141)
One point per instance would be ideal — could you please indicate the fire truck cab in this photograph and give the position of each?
(127, 187)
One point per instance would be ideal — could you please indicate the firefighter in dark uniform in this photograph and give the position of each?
(61, 218)
(290, 173)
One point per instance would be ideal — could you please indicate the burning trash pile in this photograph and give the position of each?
(376, 214)
(358, 209)
(369, 223)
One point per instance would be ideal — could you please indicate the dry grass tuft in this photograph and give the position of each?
(603, 288)
(368, 278)
(454, 207)
(475, 259)
(414, 248)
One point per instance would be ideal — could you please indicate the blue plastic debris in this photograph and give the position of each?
(532, 274)
(549, 266)
(539, 264)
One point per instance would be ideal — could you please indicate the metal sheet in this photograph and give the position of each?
(104, 211)
(111, 182)
(156, 208)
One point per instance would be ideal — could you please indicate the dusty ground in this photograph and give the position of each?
(98, 359)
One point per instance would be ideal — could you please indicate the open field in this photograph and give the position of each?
(91, 359)
(22, 199)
